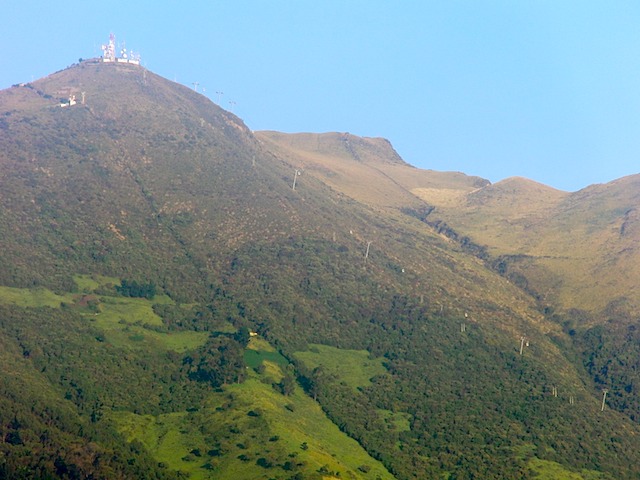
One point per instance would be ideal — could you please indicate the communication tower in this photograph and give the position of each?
(109, 53)
(109, 50)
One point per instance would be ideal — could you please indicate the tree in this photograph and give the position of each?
(314, 381)
(242, 336)
(218, 362)
(287, 385)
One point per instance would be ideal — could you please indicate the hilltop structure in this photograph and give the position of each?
(109, 53)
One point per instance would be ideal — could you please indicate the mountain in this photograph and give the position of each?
(575, 253)
(170, 305)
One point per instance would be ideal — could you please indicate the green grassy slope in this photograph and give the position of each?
(248, 422)
(208, 435)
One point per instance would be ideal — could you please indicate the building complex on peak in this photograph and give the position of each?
(109, 53)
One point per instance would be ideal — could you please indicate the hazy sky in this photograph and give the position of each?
(548, 90)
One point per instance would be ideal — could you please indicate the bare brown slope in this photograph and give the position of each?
(368, 169)
(575, 250)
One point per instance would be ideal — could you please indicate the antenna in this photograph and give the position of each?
(109, 50)
(604, 398)
(295, 177)
(83, 94)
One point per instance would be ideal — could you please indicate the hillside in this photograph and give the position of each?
(553, 241)
(574, 253)
(583, 244)
(171, 306)
(367, 169)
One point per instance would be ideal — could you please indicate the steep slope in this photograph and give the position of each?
(551, 242)
(147, 189)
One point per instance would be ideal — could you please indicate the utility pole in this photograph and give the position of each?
(554, 391)
(195, 86)
(232, 103)
(604, 398)
(522, 339)
(295, 177)
(572, 400)
(366, 254)
(218, 94)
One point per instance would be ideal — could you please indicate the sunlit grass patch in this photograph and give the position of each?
(399, 421)
(227, 437)
(116, 310)
(170, 438)
(548, 470)
(354, 367)
(254, 358)
(32, 297)
(297, 420)
(260, 344)
(178, 341)
(89, 283)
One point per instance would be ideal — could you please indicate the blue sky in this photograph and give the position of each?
(548, 90)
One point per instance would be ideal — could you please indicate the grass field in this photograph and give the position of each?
(89, 283)
(547, 470)
(399, 420)
(33, 297)
(354, 367)
(169, 437)
(260, 351)
(251, 431)
(122, 319)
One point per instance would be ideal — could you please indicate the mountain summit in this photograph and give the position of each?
(181, 296)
